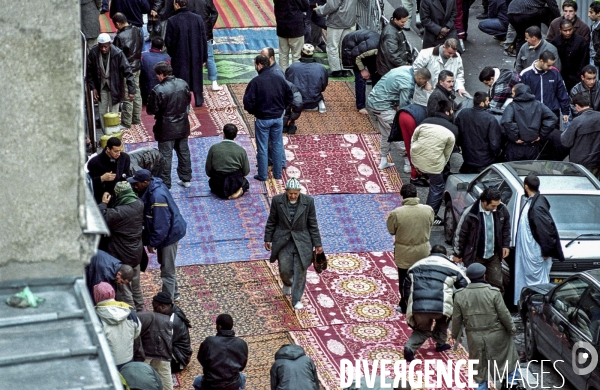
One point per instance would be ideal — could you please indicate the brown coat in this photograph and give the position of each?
(411, 224)
(579, 28)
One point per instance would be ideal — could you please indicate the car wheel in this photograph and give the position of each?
(449, 223)
(530, 345)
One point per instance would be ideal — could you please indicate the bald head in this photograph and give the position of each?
(269, 52)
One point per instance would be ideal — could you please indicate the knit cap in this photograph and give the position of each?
(103, 291)
(122, 186)
(292, 184)
(308, 49)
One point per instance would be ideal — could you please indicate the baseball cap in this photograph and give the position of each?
(141, 175)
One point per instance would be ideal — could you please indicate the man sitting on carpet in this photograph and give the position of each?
(227, 165)
(292, 367)
(223, 358)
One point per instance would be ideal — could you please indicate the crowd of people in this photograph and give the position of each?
(544, 108)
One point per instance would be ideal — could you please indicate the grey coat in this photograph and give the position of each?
(90, 22)
(292, 369)
(339, 13)
(304, 229)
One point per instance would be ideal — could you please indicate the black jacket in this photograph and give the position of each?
(357, 43)
(595, 38)
(441, 119)
(222, 357)
(101, 164)
(156, 335)
(434, 17)
(393, 49)
(479, 136)
(120, 71)
(293, 370)
(289, 15)
(169, 102)
(438, 94)
(543, 228)
(133, 10)
(125, 223)
(574, 55)
(583, 139)
(130, 40)
(182, 348)
(594, 96)
(527, 119)
(267, 95)
(469, 229)
(207, 11)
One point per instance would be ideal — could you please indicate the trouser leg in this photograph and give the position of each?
(276, 140)
(166, 150)
(334, 40)
(184, 159)
(408, 126)
(131, 112)
(403, 299)
(286, 264)
(440, 330)
(210, 62)
(296, 47)
(105, 105)
(384, 124)
(299, 280)
(493, 271)
(166, 258)
(421, 331)
(436, 191)
(262, 142)
(284, 53)
(131, 293)
(163, 369)
(359, 88)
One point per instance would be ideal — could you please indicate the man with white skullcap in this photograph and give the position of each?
(291, 234)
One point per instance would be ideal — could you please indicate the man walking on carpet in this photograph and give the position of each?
(538, 242)
(291, 233)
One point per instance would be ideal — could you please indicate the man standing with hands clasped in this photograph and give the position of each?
(290, 234)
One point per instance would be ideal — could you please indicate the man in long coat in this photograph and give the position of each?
(291, 234)
(185, 39)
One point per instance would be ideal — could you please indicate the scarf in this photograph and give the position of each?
(125, 197)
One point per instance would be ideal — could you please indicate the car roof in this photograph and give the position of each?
(554, 175)
(594, 274)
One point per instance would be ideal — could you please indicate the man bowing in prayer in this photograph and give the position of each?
(537, 240)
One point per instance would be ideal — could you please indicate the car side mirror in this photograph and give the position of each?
(462, 186)
(547, 298)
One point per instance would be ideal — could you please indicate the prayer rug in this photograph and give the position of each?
(355, 222)
(243, 40)
(328, 345)
(341, 117)
(356, 287)
(221, 231)
(245, 13)
(106, 24)
(336, 164)
(199, 150)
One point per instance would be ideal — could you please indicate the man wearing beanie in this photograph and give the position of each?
(291, 233)
(480, 310)
(125, 221)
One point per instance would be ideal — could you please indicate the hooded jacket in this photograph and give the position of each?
(293, 370)
(583, 139)
(169, 102)
(527, 119)
(121, 326)
(163, 223)
(130, 40)
(340, 14)
(222, 357)
(548, 87)
(393, 49)
(479, 136)
(357, 44)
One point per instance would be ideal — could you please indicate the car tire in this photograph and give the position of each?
(449, 223)
(531, 351)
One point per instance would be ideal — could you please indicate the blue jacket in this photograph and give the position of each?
(548, 87)
(163, 224)
(148, 79)
(311, 79)
(102, 268)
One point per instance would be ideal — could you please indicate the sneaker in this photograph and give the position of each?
(216, 88)
(385, 165)
(419, 182)
(185, 184)
(322, 108)
(287, 290)
(298, 306)
(437, 221)
(407, 167)
(442, 347)
(482, 16)
(409, 355)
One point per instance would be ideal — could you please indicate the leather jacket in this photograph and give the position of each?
(130, 40)
(169, 102)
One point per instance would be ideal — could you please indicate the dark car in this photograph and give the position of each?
(562, 322)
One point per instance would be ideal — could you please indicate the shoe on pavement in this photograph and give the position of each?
(407, 167)
(442, 347)
(287, 290)
(437, 221)
(482, 16)
(409, 355)
(419, 182)
(298, 306)
(510, 53)
(185, 184)
(385, 165)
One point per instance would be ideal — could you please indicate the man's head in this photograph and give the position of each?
(103, 291)
(487, 76)
(260, 62)
(446, 80)
(588, 76)
(230, 131)
(158, 43)
(581, 101)
(163, 70)
(516, 87)
(113, 148)
(162, 303)
(180, 4)
(546, 60)
(439, 249)
(400, 17)
(104, 42)
(481, 99)
(292, 189)
(569, 10)
(490, 199)
(450, 48)
(120, 21)
(566, 28)
(531, 184)
(475, 271)
(445, 107)
(122, 188)
(224, 322)
(307, 50)
(408, 190)
(422, 76)
(124, 275)
(269, 52)
(533, 35)
(140, 180)
(594, 11)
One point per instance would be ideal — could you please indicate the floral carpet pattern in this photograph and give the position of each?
(336, 164)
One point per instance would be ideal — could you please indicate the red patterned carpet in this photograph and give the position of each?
(336, 164)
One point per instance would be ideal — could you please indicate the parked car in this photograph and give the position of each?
(556, 317)
(574, 197)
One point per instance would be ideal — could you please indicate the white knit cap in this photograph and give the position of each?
(292, 184)
(104, 38)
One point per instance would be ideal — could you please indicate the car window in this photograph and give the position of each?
(506, 192)
(572, 221)
(489, 179)
(587, 317)
(567, 296)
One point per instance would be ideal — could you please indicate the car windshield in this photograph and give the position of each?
(561, 183)
(575, 214)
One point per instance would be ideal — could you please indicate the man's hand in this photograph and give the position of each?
(535, 140)
(96, 96)
(204, 64)
(108, 176)
(462, 92)
(519, 141)
(268, 246)
(428, 86)
(457, 259)
(365, 74)
(319, 250)
(153, 13)
(106, 197)
(151, 249)
(444, 31)
(316, 6)
(131, 97)
(505, 252)
(565, 118)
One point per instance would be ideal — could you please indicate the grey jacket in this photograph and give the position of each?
(293, 370)
(527, 56)
(339, 13)
(304, 229)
